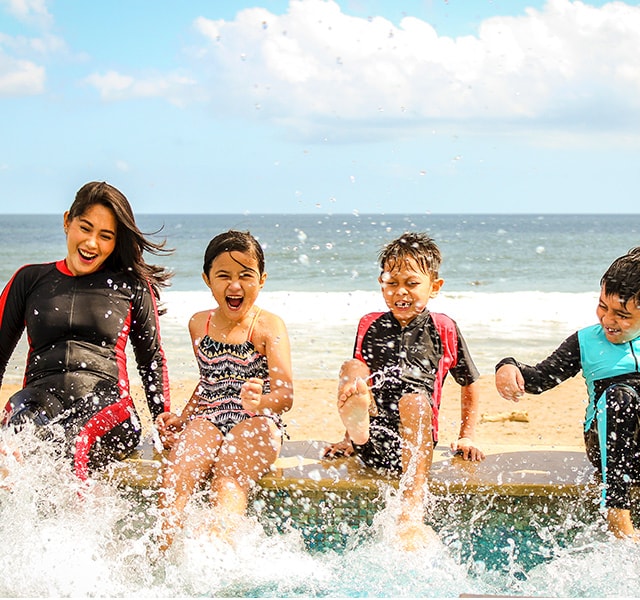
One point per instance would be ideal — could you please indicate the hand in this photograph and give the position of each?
(467, 449)
(169, 427)
(251, 394)
(509, 382)
(339, 449)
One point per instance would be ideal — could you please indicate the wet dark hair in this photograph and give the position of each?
(411, 245)
(131, 243)
(622, 278)
(233, 241)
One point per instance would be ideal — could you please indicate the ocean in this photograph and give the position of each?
(516, 284)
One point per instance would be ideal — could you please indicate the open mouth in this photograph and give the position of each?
(88, 256)
(234, 302)
(403, 304)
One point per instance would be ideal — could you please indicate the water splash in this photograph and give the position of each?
(65, 538)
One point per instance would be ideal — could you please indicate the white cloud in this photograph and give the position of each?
(316, 63)
(20, 77)
(21, 73)
(116, 86)
(34, 12)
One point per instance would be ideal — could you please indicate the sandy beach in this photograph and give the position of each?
(551, 420)
(554, 418)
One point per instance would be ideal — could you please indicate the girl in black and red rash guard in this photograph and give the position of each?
(79, 313)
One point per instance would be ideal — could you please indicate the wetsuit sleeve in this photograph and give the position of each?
(145, 339)
(12, 320)
(563, 363)
(464, 371)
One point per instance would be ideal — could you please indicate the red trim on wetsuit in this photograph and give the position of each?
(166, 388)
(102, 422)
(447, 332)
(3, 305)
(363, 327)
(121, 356)
(61, 265)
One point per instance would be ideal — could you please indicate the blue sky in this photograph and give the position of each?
(321, 106)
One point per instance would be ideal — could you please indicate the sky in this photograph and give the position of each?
(322, 106)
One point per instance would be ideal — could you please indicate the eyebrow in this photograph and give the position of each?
(90, 223)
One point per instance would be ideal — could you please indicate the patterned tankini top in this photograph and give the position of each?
(224, 368)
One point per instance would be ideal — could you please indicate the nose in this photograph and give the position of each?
(607, 319)
(92, 241)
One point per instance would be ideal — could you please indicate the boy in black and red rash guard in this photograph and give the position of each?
(389, 393)
(79, 313)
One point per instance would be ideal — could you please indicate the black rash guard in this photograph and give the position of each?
(403, 360)
(77, 330)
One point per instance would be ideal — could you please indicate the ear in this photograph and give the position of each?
(263, 279)
(205, 278)
(66, 221)
(436, 284)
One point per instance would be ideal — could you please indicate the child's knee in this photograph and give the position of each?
(622, 398)
(415, 405)
(353, 368)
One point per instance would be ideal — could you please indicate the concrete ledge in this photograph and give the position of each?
(328, 500)
(506, 471)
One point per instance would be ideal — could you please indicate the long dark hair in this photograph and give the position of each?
(131, 243)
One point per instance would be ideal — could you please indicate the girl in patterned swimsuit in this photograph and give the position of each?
(230, 430)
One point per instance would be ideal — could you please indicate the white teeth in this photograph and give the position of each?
(86, 254)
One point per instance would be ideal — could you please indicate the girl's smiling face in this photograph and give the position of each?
(91, 239)
(621, 322)
(235, 282)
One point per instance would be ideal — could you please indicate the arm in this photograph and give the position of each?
(273, 341)
(145, 339)
(469, 400)
(170, 424)
(514, 378)
(12, 318)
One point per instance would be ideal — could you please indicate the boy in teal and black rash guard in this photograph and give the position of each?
(608, 354)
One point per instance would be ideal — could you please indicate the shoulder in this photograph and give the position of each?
(370, 318)
(443, 321)
(37, 269)
(268, 322)
(199, 317)
(590, 334)
(29, 275)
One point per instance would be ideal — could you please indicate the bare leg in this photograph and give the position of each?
(190, 462)
(620, 524)
(355, 400)
(244, 457)
(417, 456)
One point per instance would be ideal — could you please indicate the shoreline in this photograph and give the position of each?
(551, 420)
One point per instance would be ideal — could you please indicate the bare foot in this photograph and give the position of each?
(414, 535)
(354, 401)
(9, 459)
(226, 528)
